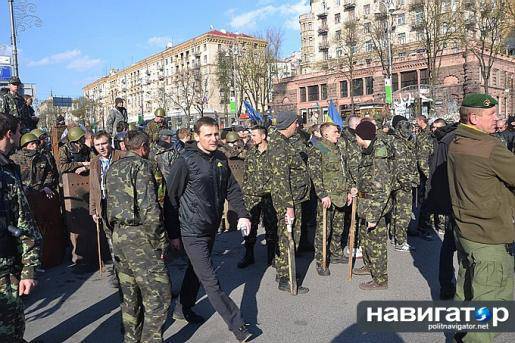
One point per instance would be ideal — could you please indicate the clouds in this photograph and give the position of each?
(72, 59)
(288, 12)
(158, 41)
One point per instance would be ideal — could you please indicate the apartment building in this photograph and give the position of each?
(171, 79)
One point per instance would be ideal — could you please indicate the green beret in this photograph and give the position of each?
(479, 100)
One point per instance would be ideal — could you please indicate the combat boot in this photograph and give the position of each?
(284, 285)
(373, 286)
(321, 271)
(361, 271)
(340, 259)
(248, 259)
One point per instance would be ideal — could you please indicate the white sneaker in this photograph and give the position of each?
(357, 252)
(404, 247)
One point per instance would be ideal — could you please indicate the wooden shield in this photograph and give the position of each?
(47, 215)
(237, 169)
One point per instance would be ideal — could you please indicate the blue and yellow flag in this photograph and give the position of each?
(333, 116)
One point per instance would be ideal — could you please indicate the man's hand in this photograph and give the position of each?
(349, 198)
(85, 164)
(80, 170)
(326, 202)
(176, 243)
(244, 226)
(26, 286)
(49, 193)
(371, 226)
(290, 213)
(95, 218)
(354, 192)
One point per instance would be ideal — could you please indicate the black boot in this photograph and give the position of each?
(248, 259)
(270, 250)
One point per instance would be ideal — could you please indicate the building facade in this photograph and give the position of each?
(182, 79)
(321, 31)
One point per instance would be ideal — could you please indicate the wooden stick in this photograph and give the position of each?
(352, 234)
(98, 244)
(324, 238)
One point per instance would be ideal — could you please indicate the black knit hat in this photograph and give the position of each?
(366, 130)
(397, 119)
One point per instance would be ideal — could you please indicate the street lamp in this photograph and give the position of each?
(390, 7)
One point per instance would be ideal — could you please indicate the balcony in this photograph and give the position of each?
(323, 46)
(416, 5)
(417, 25)
(322, 14)
(323, 29)
(349, 5)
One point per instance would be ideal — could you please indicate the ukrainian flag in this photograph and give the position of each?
(333, 116)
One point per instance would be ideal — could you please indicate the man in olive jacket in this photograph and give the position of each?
(481, 183)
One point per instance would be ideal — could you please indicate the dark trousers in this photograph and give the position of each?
(447, 250)
(265, 208)
(200, 270)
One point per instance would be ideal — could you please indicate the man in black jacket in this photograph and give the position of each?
(200, 180)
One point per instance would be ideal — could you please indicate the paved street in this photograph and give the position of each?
(69, 307)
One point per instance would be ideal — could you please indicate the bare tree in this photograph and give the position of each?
(489, 23)
(202, 92)
(376, 31)
(182, 92)
(438, 25)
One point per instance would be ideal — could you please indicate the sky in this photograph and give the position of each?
(79, 41)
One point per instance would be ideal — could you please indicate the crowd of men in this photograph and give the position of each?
(156, 189)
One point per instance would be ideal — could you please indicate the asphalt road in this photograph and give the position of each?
(82, 307)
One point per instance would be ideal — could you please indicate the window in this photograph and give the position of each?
(369, 85)
(313, 93)
(205, 59)
(339, 52)
(424, 77)
(408, 78)
(337, 2)
(401, 19)
(420, 36)
(357, 85)
(323, 91)
(303, 94)
(395, 82)
(344, 92)
(337, 18)
(338, 34)
(401, 37)
(419, 17)
(401, 2)
(366, 9)
(366, 27)
(369, 46)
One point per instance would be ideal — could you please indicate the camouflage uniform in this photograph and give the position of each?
(153, 128)
(257, 198)
(37, 171)
(139, 239)
(70, 157)
(374, 185)
(424, 149)
(328, 172)
(162, 156)
(19, 256)
(350, 149)
(291, 186)
(15, 105)
(407, 177)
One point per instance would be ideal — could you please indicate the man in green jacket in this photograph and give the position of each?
(481, 182)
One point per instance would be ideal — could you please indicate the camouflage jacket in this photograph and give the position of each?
(424, 149)
(350, 149)
(256, 180)
(15, 211)
(163, 154)
(289, 175)
(327, 168)
(375, 181)
(153, 129)
(70, 157)
(131, 193)
(235, 154)
(37, 170)
(406, 170)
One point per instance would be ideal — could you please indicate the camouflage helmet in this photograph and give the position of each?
(74, 134)
(28, 138)
(231, 137)
(38, 132)
(160, 112)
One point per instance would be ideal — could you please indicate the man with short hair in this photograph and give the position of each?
(99, 166)
(117, 115)
(14, 104)
(328, 171)
(291, 186)
(424, 149)
(19, 237)
(258, 201)
(183, 136)
(139, 242)
(163, 152)
(157, 124)
(481, 183)
(201, 182)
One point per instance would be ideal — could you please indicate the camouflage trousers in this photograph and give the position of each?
(12, 319)
(373, 247)
(401, 215)
(281, 261)
(335, 224)
(265, 208)
(144, 284)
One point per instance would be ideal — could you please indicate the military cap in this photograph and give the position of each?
(397, 119)
(28, 138)
(38, 132)
(366, 130)
(232, 137)
(75, 133)
(166, 132)
(160, 112)
(285, 119)
(239, 128)
(14, 80)
(478, 100)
